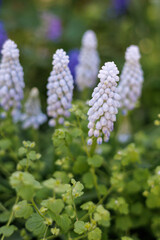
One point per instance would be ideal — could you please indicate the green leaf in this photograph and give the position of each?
(76, 132)
(88, 180)
(95, 161)
(55, 205)
(55, 185)
(90, 206)
(95, 234)
(79, 227)
(22, 151)
(102, 216)
(77, 189)
(70, 211)
(8, 230)
(63, 222)
(118, 205)
(36, 225)
(80, 166)
(23, 210)
(102, 189)
(4, 216)
(32, 155)
(61, 176)
(24, 184)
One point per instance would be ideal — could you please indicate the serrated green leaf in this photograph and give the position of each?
(23, 210)
(63, 222)
(95, 161)
(118, 205)
(36, 225)
(56, 185)
(102, 216)
(79, 227)
(95, 234)
(55, 205)
(32, 155)
(77, 189)
(25, 184)
(90, 206)
(7, 231)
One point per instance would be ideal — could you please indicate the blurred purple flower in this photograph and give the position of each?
(52, 26)
(73, 61)
(120, 6)
(54, 29)
(3, 34)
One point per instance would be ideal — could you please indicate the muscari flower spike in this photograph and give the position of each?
(11, 77)
(33, 116)
(60, 89)
(87, 69)
(104, 104)
(131, 79)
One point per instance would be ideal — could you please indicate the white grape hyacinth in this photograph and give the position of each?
(11, 77)
(33, 116)
(131, 79)
(87, 69)
(104, 104)
(60, 89)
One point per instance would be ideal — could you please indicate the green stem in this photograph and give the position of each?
(104, 197)
(81, 237)
(37, 210)
(93, 147)
(11, 216)
(82, 137)
(51, 237)
(45, 233)
(95, 181)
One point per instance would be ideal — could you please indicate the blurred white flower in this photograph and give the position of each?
(33, 116)
(131, 79)
(60, 89)
(11, 77)
(104, 104)
(87, 69)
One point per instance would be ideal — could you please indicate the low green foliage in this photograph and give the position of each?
(92, 195)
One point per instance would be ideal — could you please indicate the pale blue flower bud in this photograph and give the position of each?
(11, 77)
(60, 89)
(87, 69)
(104, 104)
(131, 79)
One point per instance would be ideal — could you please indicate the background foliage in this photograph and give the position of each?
(124, 175)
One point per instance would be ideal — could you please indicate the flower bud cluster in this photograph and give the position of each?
(87, 69)
(60, 88)
(104, 104)
(11, 77)
(33, 116)
(131, 79)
